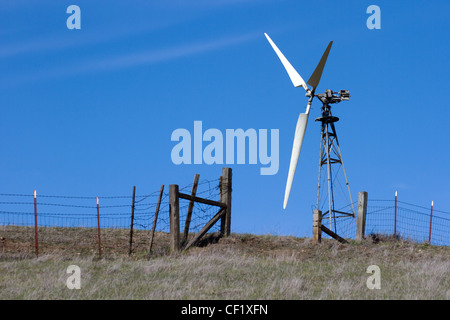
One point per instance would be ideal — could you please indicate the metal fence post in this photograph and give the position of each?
(98, 231)
(36, 226)
(130, 250)
(431, 220)
(395, 216)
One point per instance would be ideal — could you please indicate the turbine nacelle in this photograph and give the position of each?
(333, 97)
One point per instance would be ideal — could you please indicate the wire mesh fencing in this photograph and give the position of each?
(399, 219)
(409, 221)
(80, 226)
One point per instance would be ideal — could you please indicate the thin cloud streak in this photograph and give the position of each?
(149, 57)
(135, 59)
(62, 42)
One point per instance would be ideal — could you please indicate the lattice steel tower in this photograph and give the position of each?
(330, 156)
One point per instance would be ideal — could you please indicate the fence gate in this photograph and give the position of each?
(223, 212)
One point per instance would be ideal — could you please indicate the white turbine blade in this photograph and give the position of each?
(296, 79)
(317, 74)
(298, 140)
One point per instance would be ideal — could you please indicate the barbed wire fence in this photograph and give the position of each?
(75, 224)
(78, 226)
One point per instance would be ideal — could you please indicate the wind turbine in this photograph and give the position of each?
(329, 138)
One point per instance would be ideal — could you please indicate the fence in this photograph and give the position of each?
(400, 219)
(141, 224)
(103, 225)
(224, 213)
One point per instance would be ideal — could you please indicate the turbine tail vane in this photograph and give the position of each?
(317, 74)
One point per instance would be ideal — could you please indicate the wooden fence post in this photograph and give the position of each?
(222, 193)
(155, 219)
(226, 198)
(362, 210)
(174, 208)
(317, 226)
(190, 209)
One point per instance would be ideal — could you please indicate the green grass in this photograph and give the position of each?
(238, 267)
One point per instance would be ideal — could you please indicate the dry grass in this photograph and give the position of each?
(242, 266)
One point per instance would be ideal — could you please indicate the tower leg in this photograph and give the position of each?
(330, 154)
(330, 209)
(346, 180)
(320, 167)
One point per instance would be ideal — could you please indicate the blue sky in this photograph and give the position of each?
(91, 111)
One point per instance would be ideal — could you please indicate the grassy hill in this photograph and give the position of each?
(242, 266)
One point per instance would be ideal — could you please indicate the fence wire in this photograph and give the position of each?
(406, 220)
(71, 223)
